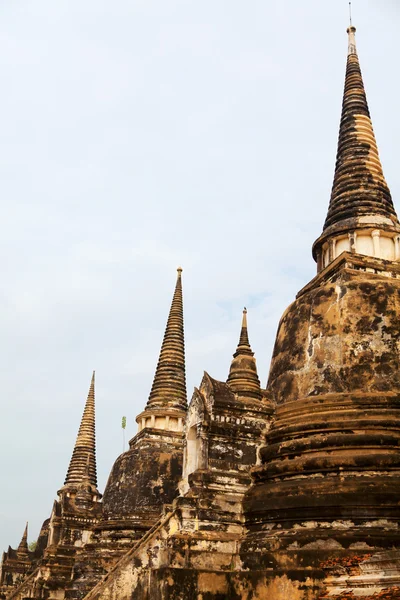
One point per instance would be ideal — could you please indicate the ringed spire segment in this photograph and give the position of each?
(361, 201)
(169, 384)
(244, 344)
(359, 186)
(82, 467)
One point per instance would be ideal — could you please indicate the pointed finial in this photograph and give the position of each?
(179, 269)
(351, 30)
(92, 384)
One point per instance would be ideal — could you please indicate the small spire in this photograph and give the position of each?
(169, 384)
(83, 462)
(244, 336)
(243, 378)
(23, 545)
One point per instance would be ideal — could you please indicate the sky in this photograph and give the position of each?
(137, 136)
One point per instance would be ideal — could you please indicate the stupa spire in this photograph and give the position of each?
(244, 344)
(169, 384)
(82, 467)
(243, 378)
(23, 545)
(359, 186)
(360, 196)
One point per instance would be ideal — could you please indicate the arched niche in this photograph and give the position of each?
(195, 452)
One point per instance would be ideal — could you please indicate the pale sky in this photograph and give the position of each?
(139, 135)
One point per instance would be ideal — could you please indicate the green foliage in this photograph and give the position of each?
(123, 425)
(32, 546)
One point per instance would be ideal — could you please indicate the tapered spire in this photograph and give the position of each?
(169, 384)
(23, 545)
(82, 468)
(360, 197)
(359, 186)
(244, 344)
(243, 378)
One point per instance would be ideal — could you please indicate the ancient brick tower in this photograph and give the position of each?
(326, 497)
(76, 511)
(78, 508)
(146, 477)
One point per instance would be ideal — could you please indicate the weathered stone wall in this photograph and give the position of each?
(342, 334)
(145, 477)
(328, 486)
(198, 584)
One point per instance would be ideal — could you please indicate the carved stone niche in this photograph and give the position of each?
(195, 444)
